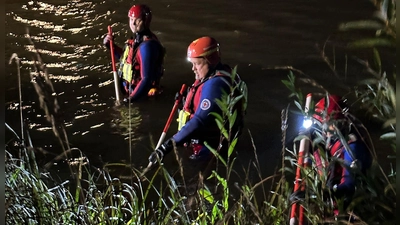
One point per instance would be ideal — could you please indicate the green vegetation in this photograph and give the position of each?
(93, 196)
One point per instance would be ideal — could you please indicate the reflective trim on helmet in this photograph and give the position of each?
(203, 47)
(206, 53)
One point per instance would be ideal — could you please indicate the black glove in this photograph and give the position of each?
(126, 101)
(178, 95)
(161, 151)
(155, 157)
(296, 196)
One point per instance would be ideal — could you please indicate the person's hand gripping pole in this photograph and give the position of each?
(158, 151)
(116, 79)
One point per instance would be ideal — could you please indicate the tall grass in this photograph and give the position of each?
(33, 196)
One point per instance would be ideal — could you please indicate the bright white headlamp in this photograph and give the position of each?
(307, 122)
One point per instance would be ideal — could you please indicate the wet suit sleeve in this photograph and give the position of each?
(147, 56)
(347, 183)
(212, 89)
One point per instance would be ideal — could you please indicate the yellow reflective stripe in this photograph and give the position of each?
(125, 55)
(183, 118)
(126, 68)
(127, 72)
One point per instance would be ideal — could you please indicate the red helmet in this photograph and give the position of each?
(206, 47)
(141, 11)
(332, 107)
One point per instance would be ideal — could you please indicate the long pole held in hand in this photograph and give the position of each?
(116, 81)
(171, 115)
(301, 162)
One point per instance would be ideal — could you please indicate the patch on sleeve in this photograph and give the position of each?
(205, 104)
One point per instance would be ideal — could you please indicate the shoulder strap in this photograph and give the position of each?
(239, 83)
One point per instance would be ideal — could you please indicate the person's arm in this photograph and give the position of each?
(148, 57)
(211, 90)
(347, 182)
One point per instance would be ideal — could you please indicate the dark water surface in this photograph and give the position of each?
(255, 35)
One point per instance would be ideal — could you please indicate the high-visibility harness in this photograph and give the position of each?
(188, 112)
(128, 60)
(129, 68)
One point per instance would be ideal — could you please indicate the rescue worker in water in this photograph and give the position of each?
(141, 60)
(348, 160)
(196, 123)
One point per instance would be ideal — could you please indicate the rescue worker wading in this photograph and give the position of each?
(352, 158)
(196, 124)
(141, 60)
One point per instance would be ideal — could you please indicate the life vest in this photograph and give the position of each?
(335, 173)
(129, 69)
(192, 101)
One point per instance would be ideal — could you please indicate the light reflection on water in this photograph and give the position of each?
(39, 24)
(57, 29)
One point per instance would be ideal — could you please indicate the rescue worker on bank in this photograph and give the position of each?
(141, 60)
(347, 160)
(197, 124)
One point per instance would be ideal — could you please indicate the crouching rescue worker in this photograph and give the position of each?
(348, 155)
(141, 60)
(196, 122)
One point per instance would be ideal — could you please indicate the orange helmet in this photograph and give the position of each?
(334, 106)
(206, 47)
(141, 11)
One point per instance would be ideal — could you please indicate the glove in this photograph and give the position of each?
(296, 196)
(107, 39)
(125, 101)
(161, 151)
(156, 156)
(179, 95)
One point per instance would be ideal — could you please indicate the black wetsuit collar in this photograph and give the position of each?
(213, 70)
(139, 36)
